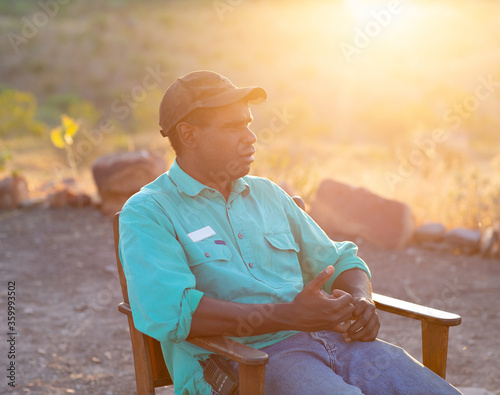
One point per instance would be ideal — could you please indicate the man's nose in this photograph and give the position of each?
(249, 137)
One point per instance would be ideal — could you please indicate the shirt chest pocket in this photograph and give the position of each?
(282, 241)
(283, 250)
(206, 251)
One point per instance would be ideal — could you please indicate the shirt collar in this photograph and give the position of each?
(192, 187)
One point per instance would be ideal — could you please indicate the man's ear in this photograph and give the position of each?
(186, 133)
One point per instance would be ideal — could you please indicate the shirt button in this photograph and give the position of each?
(240, 236)
(250, 265)
(207, 254)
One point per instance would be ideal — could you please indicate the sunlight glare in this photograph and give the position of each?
(361, 9)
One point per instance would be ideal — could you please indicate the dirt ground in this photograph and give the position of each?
(71, 338)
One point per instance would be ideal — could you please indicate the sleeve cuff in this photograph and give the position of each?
(355, 264)
(189, 302)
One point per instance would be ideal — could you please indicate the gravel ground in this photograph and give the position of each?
(71, 338)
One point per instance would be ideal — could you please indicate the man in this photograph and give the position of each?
(208, 250)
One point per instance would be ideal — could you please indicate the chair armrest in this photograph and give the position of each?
(231, 349)
(124, 308)
(415, 311)
(220, 345)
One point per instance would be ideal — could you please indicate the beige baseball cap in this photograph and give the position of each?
(201, 89)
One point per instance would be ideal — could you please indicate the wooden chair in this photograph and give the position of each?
(151, 371)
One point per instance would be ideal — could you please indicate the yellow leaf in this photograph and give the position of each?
(70, 127)
(56, 136)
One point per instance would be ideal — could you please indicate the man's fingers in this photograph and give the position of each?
(317, 282)
(367, 333)
(342, 327)
(366, 326)
(337, 293)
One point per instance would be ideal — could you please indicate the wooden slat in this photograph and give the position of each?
(160, 372)
(251, 379)
(435, 347)
(231, 349)
(123, 280)
(416, 311)
(142, 362)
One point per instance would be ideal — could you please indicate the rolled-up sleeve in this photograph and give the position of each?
(161, 287)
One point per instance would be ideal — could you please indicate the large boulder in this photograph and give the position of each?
(13, 191)
(118, 176)
(341, 209)
(466, 240)
(430, 232)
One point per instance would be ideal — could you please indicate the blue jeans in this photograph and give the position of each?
(316, 363)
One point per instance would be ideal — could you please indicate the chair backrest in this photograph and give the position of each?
(150, 369)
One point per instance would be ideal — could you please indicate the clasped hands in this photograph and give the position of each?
(353, 316)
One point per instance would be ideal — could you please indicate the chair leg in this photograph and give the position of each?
(435, 347)
(252, 379)
(143, 375)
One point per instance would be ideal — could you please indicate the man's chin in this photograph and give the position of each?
(242, 170)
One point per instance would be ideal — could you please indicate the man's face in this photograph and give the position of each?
(225, 147)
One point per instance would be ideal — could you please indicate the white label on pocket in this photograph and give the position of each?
(201, 234)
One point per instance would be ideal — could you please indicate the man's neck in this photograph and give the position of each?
(210, 180)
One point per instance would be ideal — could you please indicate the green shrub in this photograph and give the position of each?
(17, 113)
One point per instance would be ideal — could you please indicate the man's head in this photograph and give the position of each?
(191, 97)
(206, 119)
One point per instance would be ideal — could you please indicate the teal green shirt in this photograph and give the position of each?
(257, 247)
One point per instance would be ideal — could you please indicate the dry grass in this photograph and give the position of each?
(367, 120)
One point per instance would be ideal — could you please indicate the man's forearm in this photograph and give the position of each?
(219, 317)
(311, 310)
(354, 282)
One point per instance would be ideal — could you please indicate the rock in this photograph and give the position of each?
(119, 176)
(32, 203)
(437, 246)
(63, 196)
(342, 209)
(430, 232)
(490, 243)
(13, 191)
(467, 240)
(80, 308)
(58, 198)
(78, 199)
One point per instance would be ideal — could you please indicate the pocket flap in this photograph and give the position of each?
(206, 251)
(282, 241)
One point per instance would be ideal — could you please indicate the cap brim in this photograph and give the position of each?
(253, 94)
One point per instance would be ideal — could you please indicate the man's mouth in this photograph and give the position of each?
(248, 153)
